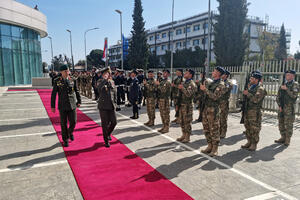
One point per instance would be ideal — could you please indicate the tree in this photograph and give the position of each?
(297, 55)
(280, 52)
(138, 52)
(153, 61)
(80, 63)
(57, 61)
(267, 43)
(230, 41)
(94, 59)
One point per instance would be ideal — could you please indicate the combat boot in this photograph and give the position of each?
(281, 140)
(174, 121)
(247, 145)
(186, 138)
(214, 151)
(208, 148)
(160, 130)
(165, 130)
(253, 146)
(181, 138)
(287, 140)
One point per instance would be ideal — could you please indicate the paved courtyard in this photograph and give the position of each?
(33, 164)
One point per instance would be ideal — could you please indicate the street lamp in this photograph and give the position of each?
(71, 49)
(172, 40)
(122, 58)
(52, 68)
(208, 39)
(85, 45)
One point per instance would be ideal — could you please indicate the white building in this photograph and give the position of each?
(193, 31)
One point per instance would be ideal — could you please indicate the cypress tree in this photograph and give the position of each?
(230, 41)
(280, 52)
(138, 53)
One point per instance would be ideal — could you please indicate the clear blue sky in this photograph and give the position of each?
(79, 15)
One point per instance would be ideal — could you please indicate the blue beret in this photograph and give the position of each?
(256, 75)
(220, 69)
(63, 68)
(290, 71)
(227, 72)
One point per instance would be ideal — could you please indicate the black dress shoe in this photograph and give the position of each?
(109, 138)
(107, 145)
(66, 143)
(72, 137)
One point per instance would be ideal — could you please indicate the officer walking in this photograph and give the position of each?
(107, 104)
(187, 91)
(224, 104)
(253, 116)
(150, 93)
(211, 113)
(134, 94)
(287, 94)
(164, 91)
(68, 100)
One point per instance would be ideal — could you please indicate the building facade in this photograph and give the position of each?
(21, 30)
(193, 31)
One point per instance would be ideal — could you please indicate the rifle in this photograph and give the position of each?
(245, 100)
(202, 103)
(282, 95)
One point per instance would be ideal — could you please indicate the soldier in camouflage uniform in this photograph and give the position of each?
(175, 93)
(199, 97)
(89, 79)
(150, 93)
(164, 91)
(224, 104)
(253, 116)
(159, 79)
(187, 92)
(286, 115)
(83, 85)
(211, 114)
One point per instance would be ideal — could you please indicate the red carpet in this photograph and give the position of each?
(115, 173)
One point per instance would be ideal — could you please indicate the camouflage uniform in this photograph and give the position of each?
(253, 115)
(211, 115)
(224, 107)
(89, 79)
(287, 118)
(164, 91)
(83, 85)
(150, 94)
(186, 109)
(200, 96)
(175, 94)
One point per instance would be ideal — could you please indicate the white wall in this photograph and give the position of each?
(15, 13)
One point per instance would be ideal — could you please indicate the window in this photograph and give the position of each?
(151, 37)
(164, 35)
(157, 36)
(157, 48)
(163, 47)
(186, 43)
(187, 29)
(178, 44)
(171, 33)
(205, 25)
(197, 27)
(178, 32)
(195, 42)
(152, 49)
(5, 29)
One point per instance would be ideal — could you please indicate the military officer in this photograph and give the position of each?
(252, 122)
(68, 100)
(128, 83)
(211, 114)
(187, 91)
(224, 104)
(150, 93)
(117, 81)
(107, 104)
(287, 94)
(175, 93)
(134, 94)
(122, 86)
(164, 91)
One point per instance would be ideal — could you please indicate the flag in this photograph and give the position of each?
(105, 49)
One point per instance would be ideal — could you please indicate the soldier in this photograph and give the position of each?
(224, 104)
(128, 83)
(164, 94)
(175, 93)
(211, 114)
(94, 83)
(122, 86)
(158, 78)
(89, 79)
(187, 91)
(150, 94)
(117, 84)
(83, 83)
(107, 104)
(200, 97)
(255, 96)
(140, 78)
(286, 99)
(68, 100)
(134, 94)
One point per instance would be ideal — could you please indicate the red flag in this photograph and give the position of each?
(105, 49)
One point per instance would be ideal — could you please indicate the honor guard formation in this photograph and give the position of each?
(138, 88)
